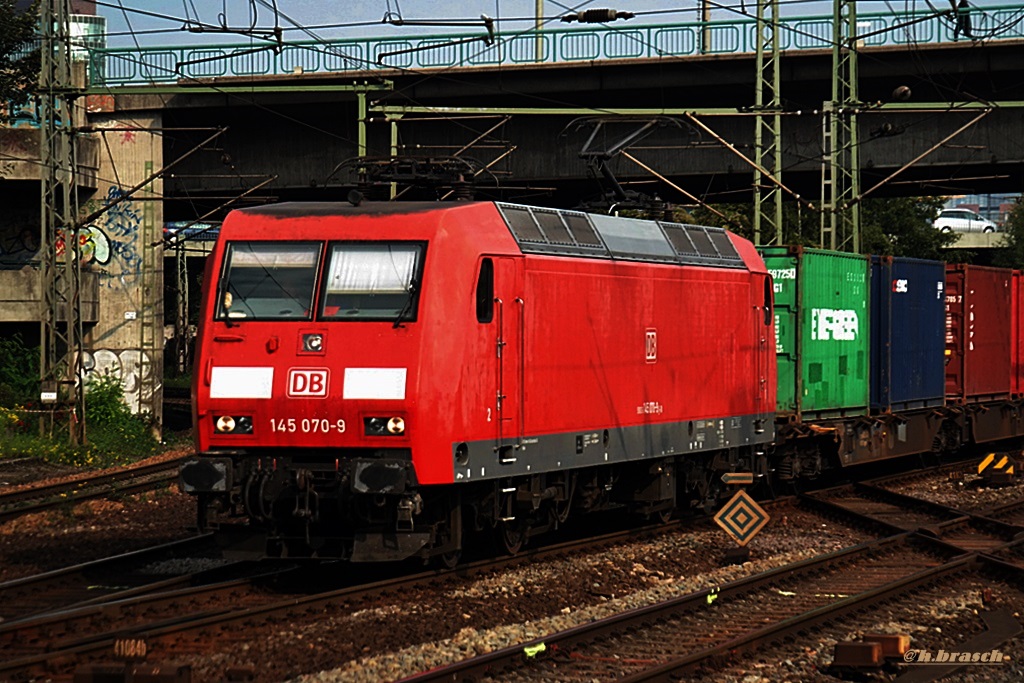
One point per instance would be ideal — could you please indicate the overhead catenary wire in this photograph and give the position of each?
(126, 195)
(444, 73)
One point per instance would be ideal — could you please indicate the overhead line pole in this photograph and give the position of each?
(840, 177)
(60, 346)
(767, 127)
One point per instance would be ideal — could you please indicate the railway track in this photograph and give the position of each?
(188, 621)
(124, 481)
(670, 639)
(110, 578)
(55, 644)
(81, 629)
(679, 635)
(897, 512)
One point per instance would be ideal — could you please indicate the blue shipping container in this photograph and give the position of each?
(908, 333)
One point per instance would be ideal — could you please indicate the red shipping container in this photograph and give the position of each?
(980, 345)
(1017, 369)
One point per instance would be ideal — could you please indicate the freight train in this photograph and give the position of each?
(397, 380)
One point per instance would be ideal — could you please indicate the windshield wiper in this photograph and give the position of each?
(407, 307)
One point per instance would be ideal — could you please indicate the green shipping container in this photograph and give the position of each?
(821, 330)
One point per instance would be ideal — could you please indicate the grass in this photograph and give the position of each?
(114, 436)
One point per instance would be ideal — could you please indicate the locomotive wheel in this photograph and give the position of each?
(451, 559)
(664, 516)
(512, 536)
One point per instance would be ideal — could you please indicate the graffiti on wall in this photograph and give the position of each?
(113, 241)
(23, 114)
(19, 237)
(18, 247)
(133, 367)
(93, 245)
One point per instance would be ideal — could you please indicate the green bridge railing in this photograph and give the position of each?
(122, 66)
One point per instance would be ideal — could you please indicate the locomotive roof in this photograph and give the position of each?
(297, 209)
(574, 233)
(560, 231)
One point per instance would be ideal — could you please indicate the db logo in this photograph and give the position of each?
(652, 346)
(308, 381)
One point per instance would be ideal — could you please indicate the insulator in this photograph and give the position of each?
(597, 16)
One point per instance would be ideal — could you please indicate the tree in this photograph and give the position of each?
(902, 226)
(19, 55)
(895, 226)
(1011, 252)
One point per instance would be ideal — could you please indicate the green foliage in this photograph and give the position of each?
(1011, 254)
(902, 226)
(19, 56)
(177, 381)
(737, 218)
(114, 434)
(104, 402)
(897, 226)
(19, 372)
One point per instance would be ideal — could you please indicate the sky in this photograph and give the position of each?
(357, 18)
(162, 22)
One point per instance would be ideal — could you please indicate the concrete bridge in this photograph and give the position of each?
(937, 116)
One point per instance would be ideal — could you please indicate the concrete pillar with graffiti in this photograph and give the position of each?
(123, 246)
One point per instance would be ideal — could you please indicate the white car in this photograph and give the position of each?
(963, 220)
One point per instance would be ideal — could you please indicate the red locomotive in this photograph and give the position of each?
(378, 382)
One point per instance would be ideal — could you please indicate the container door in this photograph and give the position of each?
(783, 269)
(955, 334)
(835, 342)
(1018, 334)
(509, 311)
(987, 324)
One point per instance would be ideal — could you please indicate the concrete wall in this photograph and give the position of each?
(20, 298)
(128, 337)
(20, 196)
(122, 306)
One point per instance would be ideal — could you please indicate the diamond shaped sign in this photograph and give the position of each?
(742, 518)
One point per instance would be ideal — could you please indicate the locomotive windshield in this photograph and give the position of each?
(371, 281)
(268, 280)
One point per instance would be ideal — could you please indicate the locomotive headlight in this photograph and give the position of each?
(233, 424)
(312, 342)
(384, 426)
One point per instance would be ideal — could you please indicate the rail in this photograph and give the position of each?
(124, 481)
(163, 64)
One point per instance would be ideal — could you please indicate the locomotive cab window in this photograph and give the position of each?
(268, 281)
(372, 281)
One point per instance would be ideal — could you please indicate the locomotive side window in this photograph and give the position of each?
(268, 281)
(372, 281)
(485, 292)
(768, 289)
